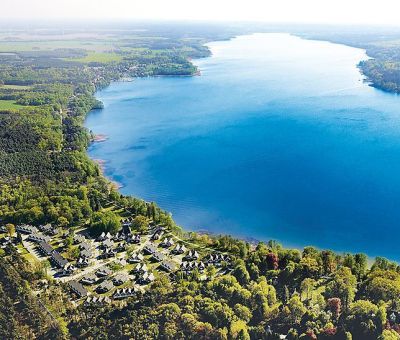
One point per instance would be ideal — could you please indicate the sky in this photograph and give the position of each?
(303, 11)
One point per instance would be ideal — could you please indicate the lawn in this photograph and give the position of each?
(9, 105)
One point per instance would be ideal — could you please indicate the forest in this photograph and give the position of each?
(258, 291)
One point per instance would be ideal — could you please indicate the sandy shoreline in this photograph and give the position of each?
(99, 138)
(102, 165)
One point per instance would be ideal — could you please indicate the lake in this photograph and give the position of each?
(279, 138)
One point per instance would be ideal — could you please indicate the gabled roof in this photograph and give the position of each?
(45, 247)
(150, 248)
(107, 243)
(104, 270)
(105, 286)
(168, 265)
(86, 253)
(77, 288)
(58, 259)
(121, 278)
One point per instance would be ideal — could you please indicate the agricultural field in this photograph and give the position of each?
(95, 57)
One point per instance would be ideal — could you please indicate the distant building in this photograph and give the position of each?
(89, 279)
(192, 255)
(38, 237)
(179, 249)
(97, 300)
(140, 268)
(167, 242)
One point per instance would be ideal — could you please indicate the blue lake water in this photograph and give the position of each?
(279, 138)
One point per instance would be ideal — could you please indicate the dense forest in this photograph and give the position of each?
(256, 291)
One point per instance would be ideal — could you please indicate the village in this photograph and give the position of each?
(110, 267)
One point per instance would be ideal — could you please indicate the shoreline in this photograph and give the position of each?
(102, 165)
(98, 138)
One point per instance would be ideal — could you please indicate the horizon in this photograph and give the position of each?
(339, 12)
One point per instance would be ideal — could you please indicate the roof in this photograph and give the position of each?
(77, 288)
(121, 277)
(106, 285)
(47, 248)
(107, 243)
(158, 256)
(86, 253)
(46, 227)
(169, 265)
(56, 257)
(26, 228)
(150, 248)
(104, 269)
(79, 238)
(89, 277)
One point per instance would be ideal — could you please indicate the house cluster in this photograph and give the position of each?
(143, 276)
(5, 241)
(216, 259)
(187, 267)
(48, 229)
(97, 300)
(123, 293)
(34, 235)
(85, 251)
(56, 258)
(124, 238)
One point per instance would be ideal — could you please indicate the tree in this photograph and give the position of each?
(141, 224)
(10, 229)
(242, 312)
(384, 285)
(46, 266)
(294, 310)
(241, 273)
(306, 288)
(105, 221)
(362, 320)
(239, 330)
(335, 306)
(389, 334)
(342, 286)
(272, 261)
(62, 221)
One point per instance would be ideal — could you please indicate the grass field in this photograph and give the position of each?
(15, 87)
(9, 105)
(92, 57)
